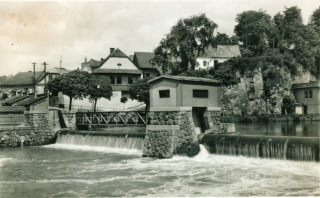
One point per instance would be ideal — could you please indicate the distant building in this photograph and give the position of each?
(121, 71)
(220, 54)
(90, 65)
(143, 60)
(21, 83)
(307, 96)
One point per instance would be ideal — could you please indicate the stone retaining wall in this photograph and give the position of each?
(168, 132)
(69, 118)
(36, 131)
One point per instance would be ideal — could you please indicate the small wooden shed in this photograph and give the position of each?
(179, 91)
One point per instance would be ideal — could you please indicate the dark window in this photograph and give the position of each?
(204, 63)
(164, 93)
(310, 94)
(130, 80)
(198, 93)
(112, 80)
(119, 80)
(215, 62)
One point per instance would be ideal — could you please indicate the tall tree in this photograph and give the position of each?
(98, 87)
(140, 91)
(224, 39)
(180, 48)
(73, 84)
(253, 29)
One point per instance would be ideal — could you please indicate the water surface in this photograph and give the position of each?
(62, 170)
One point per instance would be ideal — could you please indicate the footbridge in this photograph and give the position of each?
(111, 118)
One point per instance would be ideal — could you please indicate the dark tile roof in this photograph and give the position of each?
(95, 63)
(143, 61)
(13, 100)
(117, 71)
(222, 51)
(22, 78)
(306, 85)
(31, 101)
(12, 109)
(185, 79)
(116, 53)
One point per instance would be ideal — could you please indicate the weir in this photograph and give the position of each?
(277, 147)
(101, 139)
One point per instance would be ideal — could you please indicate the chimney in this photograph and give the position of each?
(111, 50)
(85, 59)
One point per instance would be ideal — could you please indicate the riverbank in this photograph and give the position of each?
(273, 118)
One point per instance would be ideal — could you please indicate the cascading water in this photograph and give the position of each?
(101, 141)
(293, 148)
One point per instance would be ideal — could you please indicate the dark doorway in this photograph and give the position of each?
(305, 109)
(199, 119)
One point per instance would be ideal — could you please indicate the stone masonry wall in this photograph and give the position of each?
(214, 120)
(168, 132)
(37, 131)
(70, 119)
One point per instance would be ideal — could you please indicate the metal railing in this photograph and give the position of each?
(111, 118)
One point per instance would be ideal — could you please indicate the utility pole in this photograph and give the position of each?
(60, 65)
(45, 75)
(45, 71)
(34, 79)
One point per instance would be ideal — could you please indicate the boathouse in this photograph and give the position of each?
(180, 109)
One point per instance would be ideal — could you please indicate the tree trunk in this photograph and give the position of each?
(70, 103)
(95, 105)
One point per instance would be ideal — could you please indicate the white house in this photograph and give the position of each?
(220, 54)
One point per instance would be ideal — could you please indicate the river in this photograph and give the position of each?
(62, 170)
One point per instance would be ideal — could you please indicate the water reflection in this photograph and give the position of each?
(302, 129)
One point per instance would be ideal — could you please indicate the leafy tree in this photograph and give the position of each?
(224, 39)
(254, 29)
(98, 87)
(272, 80)
(226, 73)
(287, 105)
(140, 91)
(180, 48)
(123, 100)
(201, 73)
(73, 84)
(315, 18)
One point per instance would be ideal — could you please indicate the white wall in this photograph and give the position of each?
(103, 104)
(210, 61)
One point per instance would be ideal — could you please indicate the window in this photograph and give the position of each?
(308, 94)
(130, 80)
(198, 93)
(146, 75)
(205, 63)
(112, 80)
(215, 62)
(119, 80)
(164, 93)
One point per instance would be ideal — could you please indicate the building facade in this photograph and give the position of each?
(121, 71)
(307, 96)
(213, 56)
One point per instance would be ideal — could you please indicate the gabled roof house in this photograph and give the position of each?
(143, 60)
(21, 83)
(120, 69)
(221, 53)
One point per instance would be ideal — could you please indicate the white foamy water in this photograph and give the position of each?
(3, 160)
(83, 171)
(123, 151)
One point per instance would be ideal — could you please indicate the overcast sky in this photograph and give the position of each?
(45, 30)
